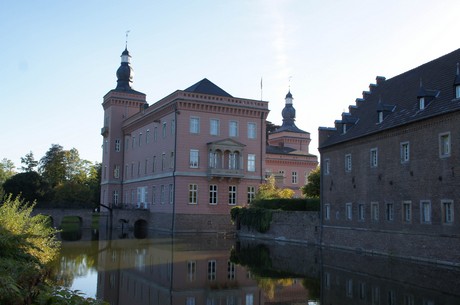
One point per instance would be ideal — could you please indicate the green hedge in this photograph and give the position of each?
(290, 204)
(255, 218)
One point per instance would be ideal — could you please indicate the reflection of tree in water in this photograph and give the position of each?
(75, 260)
(256, 258)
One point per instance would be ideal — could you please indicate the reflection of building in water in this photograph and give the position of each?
(350, 278)
(164, 272)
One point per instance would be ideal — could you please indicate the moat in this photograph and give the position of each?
(211, 269)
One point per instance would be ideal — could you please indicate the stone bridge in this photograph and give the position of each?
(120, 218)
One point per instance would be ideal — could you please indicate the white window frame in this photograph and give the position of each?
(232, 194)
(193, 194)
(117, 145)
(233, 129)
(327, 166)
(447, 209)
(444, 145)
(116, 171)
(154, 192)
(194, 161)
(375, 211)
(231, 270)
(251, 163)
(380, 116)
(361, 212)
(191, 271)
(457, 91)
(389, 211)
(162, 194)
(421, 103)
(251, 193)
(213, 194)
(348, 163)
(214, 127)
(252, 130)
(407, 212)
(405, 152)
(349, 211)
(115, 197)
(294, 177)
(425, 212)
(327, 211)
(163, 130)
(212, 270)
(194, 125)
(374, 157)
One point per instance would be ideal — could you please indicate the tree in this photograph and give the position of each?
(269, 190)
(312, 188)
(29, 162)
(52, 165)
(6, 170)
(30, 185)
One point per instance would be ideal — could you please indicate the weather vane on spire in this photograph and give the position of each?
(127, 32)
(289, 78)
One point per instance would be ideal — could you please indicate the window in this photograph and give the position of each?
(233, 129)
(140, 139)
(405, 152)
(215, 159)
(117, 145)
(249, 299)
(294, 178)
(380, 118)
(349, 288)
(192, 194)
(230, 270)
(115, 197)
(194, 158)
(251, 193)
(349, 211)
(251, 162)
(154, 162)
(155, 134)
(213, 194)
(344, 128)
(389, 212)
(348, 162)
(447, 207)
(407, 211)
(444, 145)
(408, 299)
(147, 136)
(163, 161)
(146, 165)
(327, 164)
(211, 270)
(421, 103)
(251, 130)
(327, 211)
(162, 194)
(233, 161)
(163, 130)
(126, 171)
(154, 193)
(375, 211)
(214, 127)
(173, 127)
(191, 271)
(171, 194)
(194, 125)
(457, 91)
(232, 194)
(138, 168)
(374, 157)
(116, 172)
(134, 141)
(171, 160)
(361, 212)
(190, 301)
(375, 295)
(425, 211)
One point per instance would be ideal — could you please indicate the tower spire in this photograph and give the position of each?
(126, 42)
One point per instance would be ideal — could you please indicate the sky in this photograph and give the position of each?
(59, 58)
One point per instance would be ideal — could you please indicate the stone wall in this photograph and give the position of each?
(300, 227)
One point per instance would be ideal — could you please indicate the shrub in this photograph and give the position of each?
(288, 204)
(255, 218)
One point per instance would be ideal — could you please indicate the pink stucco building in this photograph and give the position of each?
(197, 152)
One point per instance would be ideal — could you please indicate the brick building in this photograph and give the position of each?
(389, 167)
(287, 155)
(196, 152)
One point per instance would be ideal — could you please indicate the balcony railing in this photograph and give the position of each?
(225, 173)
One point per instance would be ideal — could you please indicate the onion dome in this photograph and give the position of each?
(125, 72)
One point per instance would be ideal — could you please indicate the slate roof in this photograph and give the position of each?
(205, 86)
(271, 149)
(397, 97)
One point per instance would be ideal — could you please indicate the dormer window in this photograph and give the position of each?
(344, 128)
(421, 103)
(380, 116)
(457, 91)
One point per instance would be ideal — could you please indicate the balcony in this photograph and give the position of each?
(225, 173)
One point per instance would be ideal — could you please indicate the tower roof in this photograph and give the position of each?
(288, 114)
